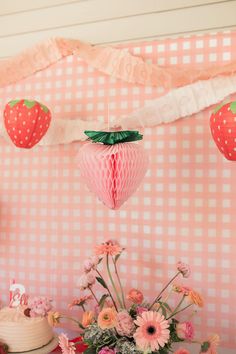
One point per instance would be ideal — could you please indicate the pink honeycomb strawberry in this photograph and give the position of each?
(223, 129)
(26, 122)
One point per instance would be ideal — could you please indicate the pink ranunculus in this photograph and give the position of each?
(185, 330)
(135, 296)
(39, 306)
(182, 351)
(91, 278)
(184, 269)
(107, 350)
(125, 324)
(91, 263)
(83, 282)
(140, 310)
(86, 280)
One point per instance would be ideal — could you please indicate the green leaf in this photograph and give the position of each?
(166, 306)
(163, 310)
(44, 108)
(13, 103)
(217, 108)
(233, 107)
(90, 351)
(102, 300)
(117, 257)
(29, 104)
(81, 326)
(102, 282)
(205, 346)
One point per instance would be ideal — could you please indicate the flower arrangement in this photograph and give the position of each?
(128, 324)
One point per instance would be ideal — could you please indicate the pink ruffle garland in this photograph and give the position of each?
(116, 62)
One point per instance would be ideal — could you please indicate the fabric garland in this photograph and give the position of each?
(217, 82)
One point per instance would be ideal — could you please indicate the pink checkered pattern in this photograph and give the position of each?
(185, 208)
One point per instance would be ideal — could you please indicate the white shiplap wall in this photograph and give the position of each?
(25, 22)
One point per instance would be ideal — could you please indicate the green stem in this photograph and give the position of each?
(112, 299)
(179, 304)
(71, 319)
(158, 296)
(175, 313)
(112, 282)
(118, 278)
(93, 294)
(165, 300)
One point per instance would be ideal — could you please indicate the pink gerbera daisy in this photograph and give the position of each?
(152, 331)
(66, 346)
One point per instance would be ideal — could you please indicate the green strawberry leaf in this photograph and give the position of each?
(44, 108)
(217, 108)
(13, 103)
(233, 107)
(29, 104)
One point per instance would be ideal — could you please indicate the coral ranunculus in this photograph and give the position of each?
(107, 318)
(135, 296)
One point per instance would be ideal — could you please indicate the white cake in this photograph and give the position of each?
(22, 333)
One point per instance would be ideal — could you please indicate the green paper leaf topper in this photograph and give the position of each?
(13, 103)
(30, 103)
(217, 108)
(233, 107)
(111, 138)
(44, 108)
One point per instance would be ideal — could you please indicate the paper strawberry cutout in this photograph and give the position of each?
(26, 122)
(223, 129)
(113, 169)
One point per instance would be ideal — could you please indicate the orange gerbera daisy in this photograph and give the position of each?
(88, 318)
(54, 318)
(152, 332)
(110, 248)
(196, 298)
(191, 295)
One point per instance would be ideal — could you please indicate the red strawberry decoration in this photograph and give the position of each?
(26, 122)
(223, 129)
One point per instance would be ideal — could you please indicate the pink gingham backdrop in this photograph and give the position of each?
(185, 208)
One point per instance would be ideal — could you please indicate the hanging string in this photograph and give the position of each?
(108, 117)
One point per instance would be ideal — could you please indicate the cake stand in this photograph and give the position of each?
(44, 350)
